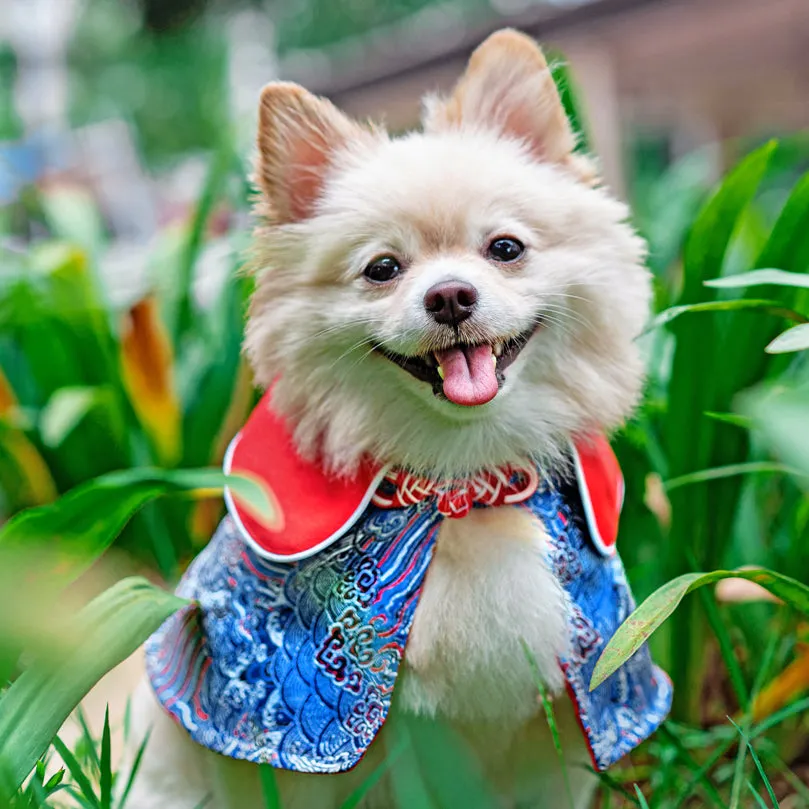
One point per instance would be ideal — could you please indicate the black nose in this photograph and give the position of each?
(451, 302)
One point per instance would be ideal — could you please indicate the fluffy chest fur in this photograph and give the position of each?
(488, 589)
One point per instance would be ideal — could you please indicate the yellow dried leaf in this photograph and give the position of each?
(789, 684)
(29, 478)
(148, 373)
(8, 401)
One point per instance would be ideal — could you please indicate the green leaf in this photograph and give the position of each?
(757, 762)
(569, 95)
(110, 628)
(72, 215)
(709, 238)
(641, 798)
(781, 415)
(76, 770)
(133, 773)
(794, 339)
(648, 617)
(755, 278)
(105, 765)
(730, 418)
(377, 774)
(83, 523)
(269, 787)
(547, 707)
(63, 412)
(729, 471)
(756, 797)
(756, 305)
(214, 182)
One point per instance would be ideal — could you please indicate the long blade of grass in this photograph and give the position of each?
(756, 797)
(79, 776)
(641, 798)
(757, 761)
(730, 471)
(377, 774)
(743, 304)
(269, 787)
(217, 172)
(549, 716)
(87, 735)
(738, 776)
(105, 765)
(760, 278)
(134, 771)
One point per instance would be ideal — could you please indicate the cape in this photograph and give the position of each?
(290, 649)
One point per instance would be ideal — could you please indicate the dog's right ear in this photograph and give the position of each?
(298, 136)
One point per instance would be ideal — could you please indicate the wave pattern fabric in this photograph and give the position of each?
(294, 663)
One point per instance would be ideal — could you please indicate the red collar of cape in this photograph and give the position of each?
(313, 508)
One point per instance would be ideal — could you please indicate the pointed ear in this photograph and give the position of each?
(508, 86)
(298, 137)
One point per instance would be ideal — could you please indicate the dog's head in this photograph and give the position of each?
(452, 299)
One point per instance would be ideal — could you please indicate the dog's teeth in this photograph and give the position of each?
(494, 361)
(498, 348)
(441, 371)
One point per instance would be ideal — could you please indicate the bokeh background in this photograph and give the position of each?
(126, 137)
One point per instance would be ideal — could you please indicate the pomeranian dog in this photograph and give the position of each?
(451, 303)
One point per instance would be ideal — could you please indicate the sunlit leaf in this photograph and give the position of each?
(82, 524)
(72, 215)
(794, 339)
(729, 471)
(744, 304)
(640, 625)
(63, 412)
(110, 627)
(782, 416)
(756, 278)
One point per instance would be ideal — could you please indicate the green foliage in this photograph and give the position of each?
(648, 617)
(107, 631)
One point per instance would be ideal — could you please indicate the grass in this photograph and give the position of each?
(716, 462)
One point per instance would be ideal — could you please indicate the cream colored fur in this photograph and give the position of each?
(494, 159)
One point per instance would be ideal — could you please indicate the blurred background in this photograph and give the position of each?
(126, 137)
(125, 99)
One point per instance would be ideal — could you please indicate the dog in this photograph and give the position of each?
(445, 323)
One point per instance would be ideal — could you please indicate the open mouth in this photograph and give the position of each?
(466, 374)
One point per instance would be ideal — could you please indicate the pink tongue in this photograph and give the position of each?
(469, 377)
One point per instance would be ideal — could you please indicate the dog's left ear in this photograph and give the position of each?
(299, 137)
(508, 86)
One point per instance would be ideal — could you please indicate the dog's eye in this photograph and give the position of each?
(506, 249)
(383, 269)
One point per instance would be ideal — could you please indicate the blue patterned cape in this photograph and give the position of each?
(294, 663)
